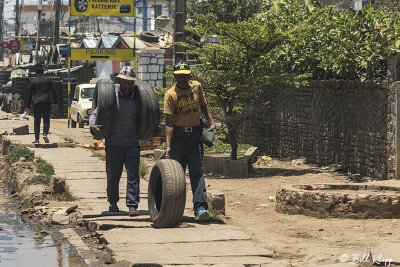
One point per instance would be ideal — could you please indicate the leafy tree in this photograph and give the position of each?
(229, 11)
(343, 44)
(234, 71)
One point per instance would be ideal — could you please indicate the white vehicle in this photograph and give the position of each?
(81, 105)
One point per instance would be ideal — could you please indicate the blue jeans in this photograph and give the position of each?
(116, 157)
(187, 149)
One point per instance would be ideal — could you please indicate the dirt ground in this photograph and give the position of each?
(304, 240)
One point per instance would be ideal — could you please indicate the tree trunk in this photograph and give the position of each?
(233, 141)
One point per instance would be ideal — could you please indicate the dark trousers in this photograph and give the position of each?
(116, 157)
(187, 149)
(41, 110)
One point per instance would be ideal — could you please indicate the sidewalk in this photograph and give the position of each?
(133, 239)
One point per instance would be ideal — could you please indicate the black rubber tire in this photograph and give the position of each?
(150, 110)
(166, 193)
(73, 123)
(149, 37)
(1, 98)
(105, 105)
(80, 121)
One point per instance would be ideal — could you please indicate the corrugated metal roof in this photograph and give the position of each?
(108, 40)
(89, 43)
(129, 41)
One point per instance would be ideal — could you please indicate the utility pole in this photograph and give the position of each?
(16, 18)
(1, 29)
(56, 33)
(35, 59)
(179, 30)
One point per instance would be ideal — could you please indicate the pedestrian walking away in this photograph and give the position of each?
(182, 105)
(41, 96)
(122, 144)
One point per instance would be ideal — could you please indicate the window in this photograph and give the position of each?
(158, 10)
(87, 92)
(140, 10)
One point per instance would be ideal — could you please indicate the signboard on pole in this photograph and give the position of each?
(26, 46)
(102, 8)
(15, 45)
(101, 54)
(63, 50)
(4, 45)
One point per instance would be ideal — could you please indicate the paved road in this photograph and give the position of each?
(134, 240)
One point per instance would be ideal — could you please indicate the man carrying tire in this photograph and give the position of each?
(122, 143)
(182, 104)
(41, 95)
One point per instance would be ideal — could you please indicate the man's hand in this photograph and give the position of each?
(27, 110)
(97, 129)
(212, 128)
(165, 154)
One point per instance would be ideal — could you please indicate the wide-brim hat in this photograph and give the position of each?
(182, 72)
(127, 73)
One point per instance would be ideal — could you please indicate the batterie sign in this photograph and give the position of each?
(101, 8)
(15, 45)
(101, 54)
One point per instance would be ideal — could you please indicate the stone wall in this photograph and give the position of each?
(348, 123)
(150, 66)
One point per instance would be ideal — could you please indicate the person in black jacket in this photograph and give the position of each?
(41, 95)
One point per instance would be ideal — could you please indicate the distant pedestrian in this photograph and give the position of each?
(41, 96)
(122, 146)
(182, 105)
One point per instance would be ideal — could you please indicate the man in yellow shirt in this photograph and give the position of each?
(182, 104)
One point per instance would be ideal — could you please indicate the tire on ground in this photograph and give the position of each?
(105, 105)
(150, 110)
(166, 193)
(149, 37)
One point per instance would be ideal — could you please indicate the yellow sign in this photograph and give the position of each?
(102, 8)
(101, 54)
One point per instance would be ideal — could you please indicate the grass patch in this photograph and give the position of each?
(321, 214)
(17, 152)
(219, 147)
(101, 156)
(66, 195)
(68, 139)
(44, 168)
(39, 179)
(143, 169)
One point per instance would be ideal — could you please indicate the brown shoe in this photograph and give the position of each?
(133, 212)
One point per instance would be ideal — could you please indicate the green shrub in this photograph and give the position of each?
(17, 152)
(143, 169)
(39, 179)
(44, 168)
(66, 195)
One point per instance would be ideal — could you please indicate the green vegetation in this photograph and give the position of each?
(100, 155)
(68, 139)
(44, 167)
(321, 214)
(39, 179)
(17, 152)
(143, 169)
(65, 196)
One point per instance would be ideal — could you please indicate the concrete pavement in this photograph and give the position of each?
(133, 239)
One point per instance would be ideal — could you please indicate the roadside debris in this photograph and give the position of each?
(98, 145)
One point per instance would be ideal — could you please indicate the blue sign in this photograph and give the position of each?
(63, 50)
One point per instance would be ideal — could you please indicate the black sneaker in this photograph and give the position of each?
(113, 208)
(46, 139)
(133, 212)
(36, 142)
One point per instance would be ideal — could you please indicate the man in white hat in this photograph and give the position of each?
(122, 146)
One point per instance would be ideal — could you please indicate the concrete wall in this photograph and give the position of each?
(349, 123)
(150, 66)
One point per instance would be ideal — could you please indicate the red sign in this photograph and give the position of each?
(4, 44)
(15, 45)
